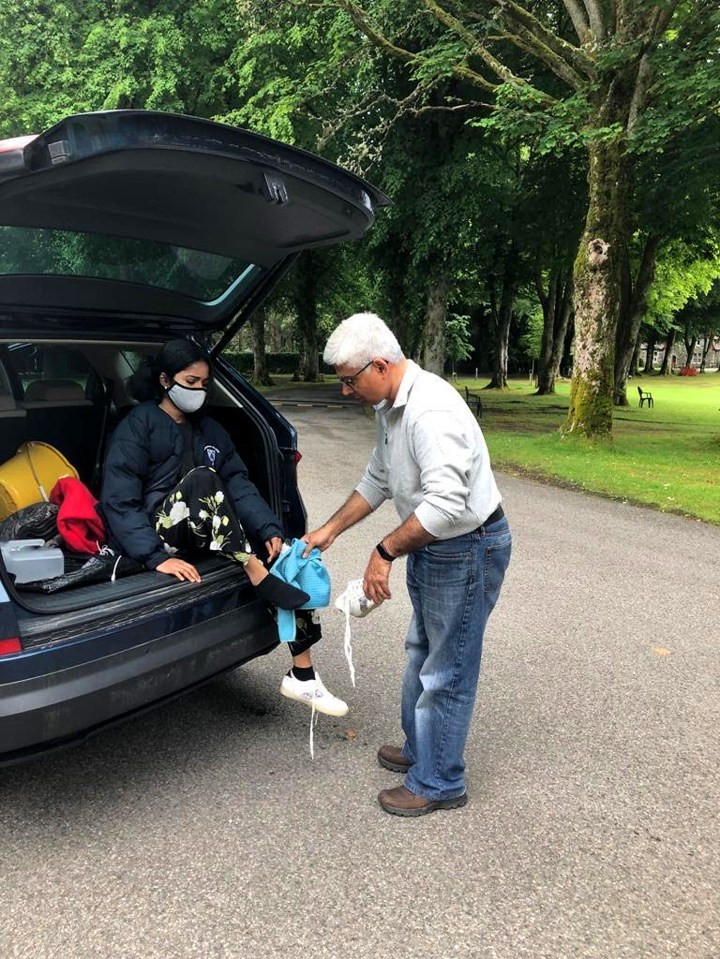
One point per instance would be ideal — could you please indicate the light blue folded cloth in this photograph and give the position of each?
(309, 574)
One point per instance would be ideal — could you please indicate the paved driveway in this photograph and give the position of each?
(204, 830)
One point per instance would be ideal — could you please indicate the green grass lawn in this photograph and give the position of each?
(667, 457)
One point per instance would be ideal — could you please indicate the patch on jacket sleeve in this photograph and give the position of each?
(211, 454)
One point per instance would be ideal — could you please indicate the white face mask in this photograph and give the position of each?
(186, 398)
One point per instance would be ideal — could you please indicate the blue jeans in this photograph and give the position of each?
(453, 585)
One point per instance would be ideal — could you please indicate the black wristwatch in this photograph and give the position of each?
(384, 553)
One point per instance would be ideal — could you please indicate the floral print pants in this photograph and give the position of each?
(198, 515)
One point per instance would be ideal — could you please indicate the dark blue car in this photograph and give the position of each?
(119, 230)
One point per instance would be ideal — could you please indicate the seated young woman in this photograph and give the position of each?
(173, 483)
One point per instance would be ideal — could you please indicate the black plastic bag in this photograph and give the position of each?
(37, 521)
(98, 569)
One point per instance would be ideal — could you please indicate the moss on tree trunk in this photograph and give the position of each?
(597, 279)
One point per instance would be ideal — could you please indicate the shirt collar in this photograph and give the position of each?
(412, 371)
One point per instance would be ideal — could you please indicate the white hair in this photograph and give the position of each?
(359, 339)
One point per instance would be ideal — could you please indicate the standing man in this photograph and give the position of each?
(431, 459)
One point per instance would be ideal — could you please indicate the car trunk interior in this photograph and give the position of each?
(72, 395)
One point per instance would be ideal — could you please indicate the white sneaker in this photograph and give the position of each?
(354, 600)
(314, 693)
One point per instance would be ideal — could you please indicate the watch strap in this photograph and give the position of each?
(384, 553)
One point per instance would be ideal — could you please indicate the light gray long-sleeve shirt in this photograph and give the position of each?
(431, 458)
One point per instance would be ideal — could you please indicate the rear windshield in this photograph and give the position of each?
(194, 273)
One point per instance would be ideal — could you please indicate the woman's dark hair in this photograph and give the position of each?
(175, 355)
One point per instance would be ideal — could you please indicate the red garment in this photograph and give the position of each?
(77, 521)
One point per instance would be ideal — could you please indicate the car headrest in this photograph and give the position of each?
(54, 391)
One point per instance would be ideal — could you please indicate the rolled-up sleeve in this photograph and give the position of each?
(443, 453)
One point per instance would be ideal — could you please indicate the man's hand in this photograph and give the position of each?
(322, 537)
(376, 581)
(179, 568)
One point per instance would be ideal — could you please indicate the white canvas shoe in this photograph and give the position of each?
(314, 694)
(354, 600)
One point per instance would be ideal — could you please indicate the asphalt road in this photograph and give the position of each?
(205, 830)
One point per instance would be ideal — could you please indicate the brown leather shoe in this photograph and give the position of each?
(401, 802)
(391, 758)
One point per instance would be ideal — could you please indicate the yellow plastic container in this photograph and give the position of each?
(29, 476)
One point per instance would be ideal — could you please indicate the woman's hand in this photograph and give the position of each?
(273, 547)
(179, 568)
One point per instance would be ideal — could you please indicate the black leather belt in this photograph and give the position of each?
(494, 517)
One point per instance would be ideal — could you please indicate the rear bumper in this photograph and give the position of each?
(47, 711)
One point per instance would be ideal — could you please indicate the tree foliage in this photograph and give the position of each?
(582, 75)
(531, 149)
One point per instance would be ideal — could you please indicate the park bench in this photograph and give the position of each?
(474, 401)
(645, 397)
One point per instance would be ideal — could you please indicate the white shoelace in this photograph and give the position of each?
(313, 721)
(343, 604)
(353, 602)
(107, 551)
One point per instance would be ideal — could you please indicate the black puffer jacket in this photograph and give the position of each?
(144, 463)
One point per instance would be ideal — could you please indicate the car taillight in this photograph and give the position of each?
(297, 455)
(10, 645)
(9, 638)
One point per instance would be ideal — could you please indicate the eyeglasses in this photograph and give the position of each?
(350, 380)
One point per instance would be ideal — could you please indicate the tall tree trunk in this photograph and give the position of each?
(567, 354)
(545, 384)
(257, 330)
(635, 358)
(306, 306)
(567, 308)
(433, 338)
(666, 367)
(706, 349)
(598, 286)
(502, 317)
(557, 308)
(690, 344)
(632, 317)
(650, 352)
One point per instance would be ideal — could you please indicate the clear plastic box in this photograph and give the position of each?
(29, 560)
